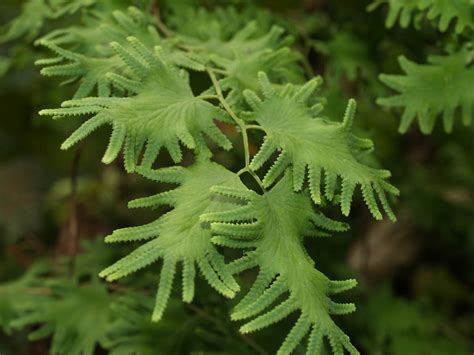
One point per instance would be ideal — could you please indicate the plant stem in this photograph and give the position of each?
(255, 126)
(161, 26)
(208, 97)
(240, 122)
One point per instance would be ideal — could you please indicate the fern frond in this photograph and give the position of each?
(281, 65)
(168, 198)
(278, 313)
(164, 289)
(189, 274)
(173, 174)
(246, 262)
(401, 10)
(421, 91)
(179, 236)
(117, 138)
(441, 11)
(296, 335)
(338, 286)
(144, 232)
(217, 262)
(226, 33)
(307, 141)
(75, 316)
(30, 22)
(174, 113)
(341, 308)
(99, 66)
(138, 259)
(84, 130)
(92, 71)
(283, 218)
(249, 307)
(213, 279)
(14, 295)
(328, 224)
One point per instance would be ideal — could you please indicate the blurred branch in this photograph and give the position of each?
(250, 342)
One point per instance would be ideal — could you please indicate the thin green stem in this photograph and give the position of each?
(240, 122)
(208, 97)
(211, 71)
(220, 71)
(255, 126)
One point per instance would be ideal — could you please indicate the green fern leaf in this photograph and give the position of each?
(35, 13)
(443, 12)
(97, 58)
(401, 10)
(245, 54)
(179, 236)
(75, 316)
(69, 7)
(242, 72)
(132, 332)
(281, 218)
(162, 112)
(306, 141)
(18, 294)
(246, 41)
(92, 57)
(223, 25)
(29, 23)
(460, 11)
(93, 71)
(421, 91)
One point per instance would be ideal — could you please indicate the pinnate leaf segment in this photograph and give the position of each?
(443, 86)
(135, 78)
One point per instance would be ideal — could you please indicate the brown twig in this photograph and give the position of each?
(155, 8)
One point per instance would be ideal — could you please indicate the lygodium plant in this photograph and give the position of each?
(133, 73)
(423, 87)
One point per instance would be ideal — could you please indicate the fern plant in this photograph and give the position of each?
(423, 86)
(133, 72)
(443, 12)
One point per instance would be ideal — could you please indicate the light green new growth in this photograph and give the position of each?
(99, 57)
(275, 223)
(246, 54)
(308, 143)
(162, 111)
(424, 87)
(92, 65)
(179, 236)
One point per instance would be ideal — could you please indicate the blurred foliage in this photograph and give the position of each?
(416, 293)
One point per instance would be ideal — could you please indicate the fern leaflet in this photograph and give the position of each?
(179, 236)
(276, 223)
(422, 91)
(310, 142)
(442, 11)
(162, 112)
